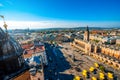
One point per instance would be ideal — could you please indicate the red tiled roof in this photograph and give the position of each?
(27, 46)
(31, 51)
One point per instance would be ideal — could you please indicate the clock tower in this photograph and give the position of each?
(86, 34)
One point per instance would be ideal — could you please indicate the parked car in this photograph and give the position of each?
(32, 71)
(39, 68)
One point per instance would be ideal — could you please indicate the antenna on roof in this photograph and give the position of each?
(5, 25)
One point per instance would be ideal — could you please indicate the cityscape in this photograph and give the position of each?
(56, 46)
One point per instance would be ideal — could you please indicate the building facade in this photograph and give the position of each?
(118, 41)
(101, 51)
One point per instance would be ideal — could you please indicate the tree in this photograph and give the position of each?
(102, 68)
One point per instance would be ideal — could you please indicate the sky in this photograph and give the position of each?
(60, 13)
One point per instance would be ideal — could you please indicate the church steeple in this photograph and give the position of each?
(86, 34)
(87, 29)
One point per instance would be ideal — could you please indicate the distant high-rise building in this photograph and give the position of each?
(86, 34)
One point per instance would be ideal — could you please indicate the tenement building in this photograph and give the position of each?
(107, 53)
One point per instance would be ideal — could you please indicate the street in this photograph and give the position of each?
(56, 65)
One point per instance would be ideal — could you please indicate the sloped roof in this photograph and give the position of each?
(35, 59)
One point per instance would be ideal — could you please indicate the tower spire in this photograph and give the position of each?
(87, 29)
(86, 34)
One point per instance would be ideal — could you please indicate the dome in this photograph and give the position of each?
(9, 47)
(11, 58)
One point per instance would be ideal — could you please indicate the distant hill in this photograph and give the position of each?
(76, 28)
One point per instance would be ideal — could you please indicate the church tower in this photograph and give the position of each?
(86, 34)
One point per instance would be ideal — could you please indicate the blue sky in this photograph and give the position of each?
(64, 12)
